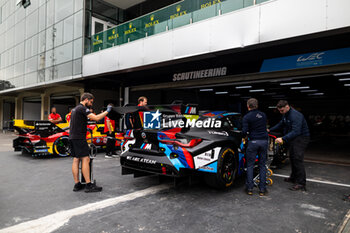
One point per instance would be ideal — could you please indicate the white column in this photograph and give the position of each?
(18, 107)
(126, 95)
(45, 106)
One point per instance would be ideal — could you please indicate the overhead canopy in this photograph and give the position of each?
(124, 4)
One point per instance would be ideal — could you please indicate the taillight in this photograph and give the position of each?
(183, 142)
(164, 170)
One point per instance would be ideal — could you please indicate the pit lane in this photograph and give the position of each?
(35, 188)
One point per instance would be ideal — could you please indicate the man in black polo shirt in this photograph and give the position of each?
(78, 143)
(254, 127)
(297, 137)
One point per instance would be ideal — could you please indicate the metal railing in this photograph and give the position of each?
(167, 18)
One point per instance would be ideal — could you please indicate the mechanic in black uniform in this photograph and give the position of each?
(78, 143)
(297, 136)
(254, 127)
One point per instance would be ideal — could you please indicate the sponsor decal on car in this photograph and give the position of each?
(202, 160)
(146, 146)
(207, 168)
(141, 160)
(223, 133)
(40, 150)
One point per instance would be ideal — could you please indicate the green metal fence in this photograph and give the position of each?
(171, 17)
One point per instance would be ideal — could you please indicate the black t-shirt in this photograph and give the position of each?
(137, 120)
(78, 122)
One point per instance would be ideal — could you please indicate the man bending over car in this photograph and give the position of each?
(297, 137)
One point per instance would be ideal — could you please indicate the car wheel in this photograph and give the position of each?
(61, 147)
(226, 170)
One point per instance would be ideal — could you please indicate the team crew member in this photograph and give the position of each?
(133, 120)
(68, 115)
(297, 136)
(77, 139)
(254, 127)
(142, 101)
(54, 117)
(110, 130)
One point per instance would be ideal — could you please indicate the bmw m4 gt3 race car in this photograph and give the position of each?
(185, 143)
(42, 138)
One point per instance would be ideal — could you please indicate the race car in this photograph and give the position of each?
(185, 143)
(43, 138)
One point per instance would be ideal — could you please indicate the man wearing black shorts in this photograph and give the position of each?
(78, 143)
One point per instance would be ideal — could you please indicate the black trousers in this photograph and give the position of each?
(297, 148)
(110, 147)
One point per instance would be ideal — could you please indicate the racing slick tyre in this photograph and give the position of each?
(61, 147)
(227, 168)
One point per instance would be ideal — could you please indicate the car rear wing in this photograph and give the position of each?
(46, 128)
(188, 109)
(23, 126)
(26, 126)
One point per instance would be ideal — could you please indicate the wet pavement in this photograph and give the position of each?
(41, 188)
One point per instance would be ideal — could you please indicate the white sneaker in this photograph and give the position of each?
(108, 157)
(115, 156)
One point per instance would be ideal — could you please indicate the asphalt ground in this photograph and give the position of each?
(36, 196)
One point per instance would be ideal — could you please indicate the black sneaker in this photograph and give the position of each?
(91, 187)
(249, 191)
(116, 152)
(298, 187)
(78, 186)
(263, 192)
